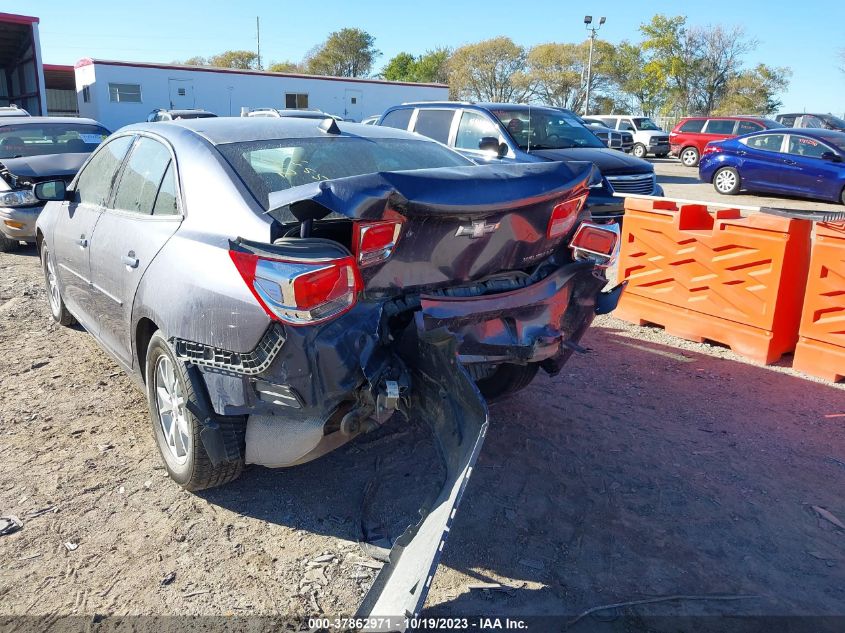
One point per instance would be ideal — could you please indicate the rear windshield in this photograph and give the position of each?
(38, 139)
(771, 124)
(833, 121)
(274, 165)
(536, 128)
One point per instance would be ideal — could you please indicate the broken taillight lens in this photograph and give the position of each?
(373, 242)
(596, 242)
(300, 292)
(564, 216)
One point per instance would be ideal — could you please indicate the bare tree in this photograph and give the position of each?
(720, 59)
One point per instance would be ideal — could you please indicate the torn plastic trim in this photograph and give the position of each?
(249, 363)
(457, 414)
(606, 302)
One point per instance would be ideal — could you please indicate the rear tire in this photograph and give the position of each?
(507, 380)
(54, 296)
(842, 196)
(727, 181)
(8, 245)
(689, 156)
(639, 150)
(175, 429)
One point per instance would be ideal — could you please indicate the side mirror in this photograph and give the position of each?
(492, 144)
(832, 157)
(50, 190)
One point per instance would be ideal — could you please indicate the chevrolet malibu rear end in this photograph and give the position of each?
(280, 286)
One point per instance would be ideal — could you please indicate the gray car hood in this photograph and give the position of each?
(59, 165)
(609, 161)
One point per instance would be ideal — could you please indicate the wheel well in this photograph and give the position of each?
(143, 333)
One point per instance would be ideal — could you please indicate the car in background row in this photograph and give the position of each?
(691, 134)
(274, 113)
(371, 120)
(12, 110)
(822, 121)
(623, 141)
(648, 137)
(34, 149)
(160, 114)
(808, 163)
(510, 133)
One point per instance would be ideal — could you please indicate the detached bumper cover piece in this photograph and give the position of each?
(444, 393)
(248, 363)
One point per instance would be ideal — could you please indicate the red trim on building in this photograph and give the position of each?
(87, 61)
(58, 68)
(13, 18)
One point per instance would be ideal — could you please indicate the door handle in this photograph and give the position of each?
(130, 260)
(789, 162)
(82, 242)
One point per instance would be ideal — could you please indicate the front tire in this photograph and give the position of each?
(689, 156)
(507, 380)
(842, 196)
(8, 245)
(54, 295)
(639, 150)
(727, 181)
(175, 429)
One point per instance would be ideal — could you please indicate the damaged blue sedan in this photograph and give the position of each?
(279, 286)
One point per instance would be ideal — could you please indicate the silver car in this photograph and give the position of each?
(279, 286)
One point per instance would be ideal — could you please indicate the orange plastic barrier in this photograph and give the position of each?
(821, 346)
(715, 276)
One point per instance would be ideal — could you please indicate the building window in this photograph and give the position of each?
(86, 94)
(296, 101)
(125, 93)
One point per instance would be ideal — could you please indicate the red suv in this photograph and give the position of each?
(692, 133)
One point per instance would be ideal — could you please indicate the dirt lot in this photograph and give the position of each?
(649, 467)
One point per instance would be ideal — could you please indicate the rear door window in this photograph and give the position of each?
(720, 126)
(165, 203)
(746, 127)
(766, 142)
(142, 176)
(806, 146)
(434, 123)
(693, 125)
(95, 182)
(398, 118)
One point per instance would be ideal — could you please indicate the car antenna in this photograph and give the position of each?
(329, 126)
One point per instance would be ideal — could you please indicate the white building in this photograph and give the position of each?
(118, 93)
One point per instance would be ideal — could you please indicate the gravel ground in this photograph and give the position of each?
(649, 467)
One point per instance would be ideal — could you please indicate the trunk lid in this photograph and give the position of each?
(458, 224)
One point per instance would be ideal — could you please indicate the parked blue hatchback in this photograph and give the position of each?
(796, 162)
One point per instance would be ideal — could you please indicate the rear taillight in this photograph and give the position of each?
(373, 242)
(564, 216)
(596, 242)
(711, 149)
(300, 292)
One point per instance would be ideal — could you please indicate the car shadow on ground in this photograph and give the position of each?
(692, 179)
(639, 471)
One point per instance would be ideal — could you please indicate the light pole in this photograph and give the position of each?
(588, 20)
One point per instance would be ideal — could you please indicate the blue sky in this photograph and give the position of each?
(807, 39)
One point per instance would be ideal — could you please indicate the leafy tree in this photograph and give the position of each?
(345, 53)
(285, 67)
(402, 67)
(557, 73)
(491, 70)
(754, 91)
(194, 61)
(673, 54)
(721, 53)
(242, 60)
(433, 66)
(630, 72)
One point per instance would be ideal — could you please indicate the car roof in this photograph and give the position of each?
(732, 117)
(814, 132)
(481, 105)
(222, 130)
(29, 120)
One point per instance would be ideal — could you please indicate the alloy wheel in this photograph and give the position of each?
(52, 285)
(172, 414)
(689, 157)
(725, 181)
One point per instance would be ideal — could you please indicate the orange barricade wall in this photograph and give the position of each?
(821, 346)
(715, 275)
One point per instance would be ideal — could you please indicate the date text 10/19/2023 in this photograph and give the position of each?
(404, 623)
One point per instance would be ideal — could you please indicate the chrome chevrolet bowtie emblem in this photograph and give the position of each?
(479, 228)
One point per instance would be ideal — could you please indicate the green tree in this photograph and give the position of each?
(557, 73)
(402, 67)
(194, 61)
(285, 67)
(345, 53)
(673, 54)
(630, 72)
(754, 91)
(242, 60)
(492, 70)
(433, 66)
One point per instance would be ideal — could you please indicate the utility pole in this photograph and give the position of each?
(258, 39)
(588, 19)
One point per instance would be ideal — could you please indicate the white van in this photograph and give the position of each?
(648, 137)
